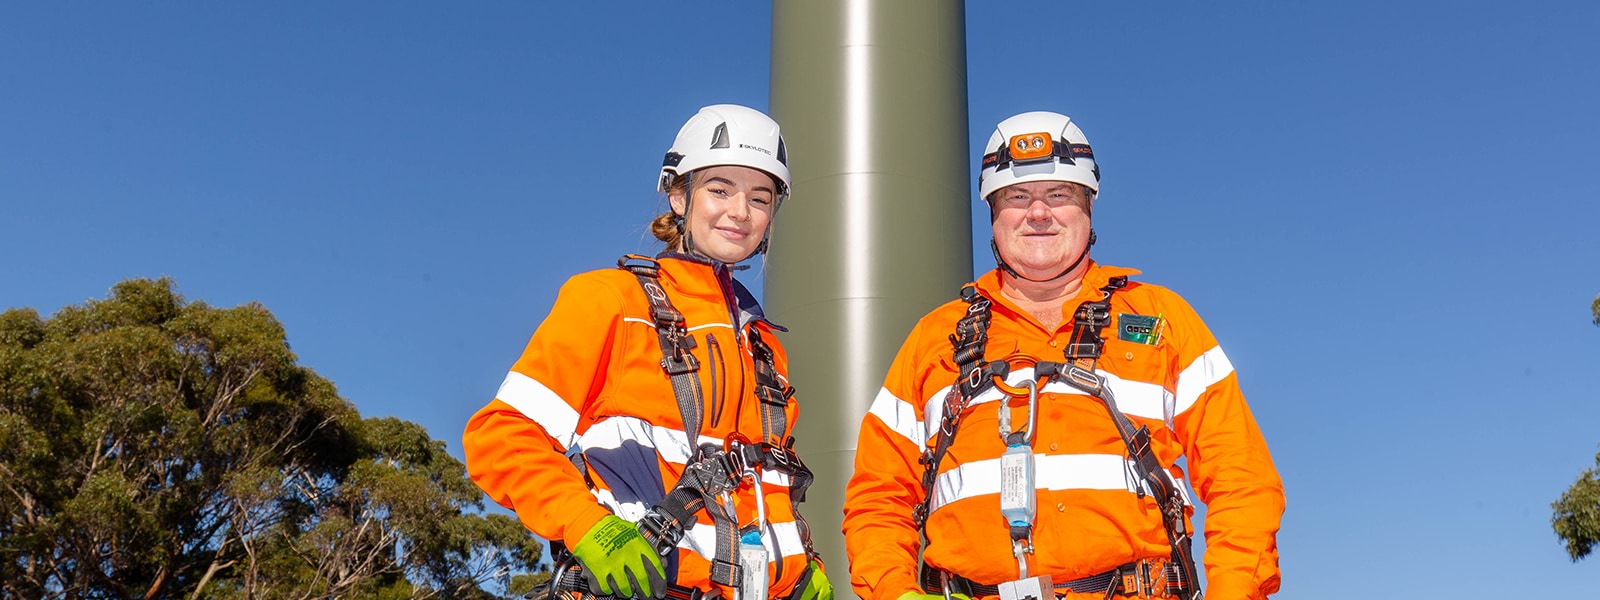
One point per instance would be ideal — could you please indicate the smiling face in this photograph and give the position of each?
(729, 211)
(1041, 227)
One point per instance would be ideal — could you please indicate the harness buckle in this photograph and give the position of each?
(780, 459)
(665, 317)
(1085, 380)
(733, 455)
(772, 396)
(636, 263)
(684, 362)
(657, 531)
(726, 573)
(974, 379)
(1085, 350)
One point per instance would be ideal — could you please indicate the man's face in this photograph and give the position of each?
(1040, 227)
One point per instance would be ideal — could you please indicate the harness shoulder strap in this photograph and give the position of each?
(968, 344)
(710, 471)
(1081, 353)
(776, 448)
(704, 477)
(1079, 372)
(673, 335)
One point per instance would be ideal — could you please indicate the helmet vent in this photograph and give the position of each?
(719, 138)
(783, 153)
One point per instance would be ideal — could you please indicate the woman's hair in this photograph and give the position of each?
(668, 226)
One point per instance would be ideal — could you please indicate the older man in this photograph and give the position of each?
(1031, 430)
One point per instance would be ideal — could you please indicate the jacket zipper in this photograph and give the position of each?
(718, 397)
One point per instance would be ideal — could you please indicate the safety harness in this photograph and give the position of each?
(711, 472)
(1078, 371)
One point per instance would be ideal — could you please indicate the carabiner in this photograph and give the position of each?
(1031, 388)
(1033, 408)
(761, 498)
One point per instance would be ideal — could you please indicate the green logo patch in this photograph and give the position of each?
(1140, 329)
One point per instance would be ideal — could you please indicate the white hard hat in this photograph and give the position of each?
(723, 135)
(1037, 146)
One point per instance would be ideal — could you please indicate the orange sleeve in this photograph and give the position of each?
(1229, 464)
(881, 536)
(515, 445)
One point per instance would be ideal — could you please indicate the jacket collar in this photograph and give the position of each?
(707, 279)
(1095, 278)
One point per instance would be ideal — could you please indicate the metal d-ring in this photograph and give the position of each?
(1027, 360)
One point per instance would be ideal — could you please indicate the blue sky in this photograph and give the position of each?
(1387, 213)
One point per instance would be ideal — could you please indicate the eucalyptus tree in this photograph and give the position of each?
(1576, 516)
(154, 447)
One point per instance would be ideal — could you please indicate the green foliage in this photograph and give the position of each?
(1576, 517)
(1577, 513)
(155, 447)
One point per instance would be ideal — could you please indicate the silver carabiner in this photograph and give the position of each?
(761, 497)
(1033, 414)
(1033, 408)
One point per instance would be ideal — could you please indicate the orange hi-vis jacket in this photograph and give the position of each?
(590, 390)
(1090, 517)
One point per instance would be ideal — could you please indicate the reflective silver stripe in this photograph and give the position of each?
(671, 444)
(1134, 398)
(1052, 472)
(632, 511)
(649, 323)
(899, 416)
(785, 537)
(541, 405)
(933, 413)
(1206, 370)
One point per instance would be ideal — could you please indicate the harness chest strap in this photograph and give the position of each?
(1086, 345)
(711, 471)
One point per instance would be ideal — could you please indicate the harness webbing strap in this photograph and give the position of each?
(776, 448)
(771, 391)
(968, 342)
(1089, 319)
(1079, 372)
(673, 335)
(1081, 354)
(712, 472)
(1137, 441)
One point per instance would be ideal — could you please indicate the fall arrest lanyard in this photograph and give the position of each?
(713, 472)
(1078, 371)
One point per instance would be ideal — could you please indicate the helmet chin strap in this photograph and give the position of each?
(1013, 272)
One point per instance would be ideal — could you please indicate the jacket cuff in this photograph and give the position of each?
(1235, 587)
(578, 527)
(893, 586)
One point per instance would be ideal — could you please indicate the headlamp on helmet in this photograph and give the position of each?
(1037, 146)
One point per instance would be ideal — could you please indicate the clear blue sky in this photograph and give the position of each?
(1386, 211)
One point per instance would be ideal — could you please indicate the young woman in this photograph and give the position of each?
(646, 427)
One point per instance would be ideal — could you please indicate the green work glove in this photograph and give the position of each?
(618, 562)
(922, 596)
(817, 585)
